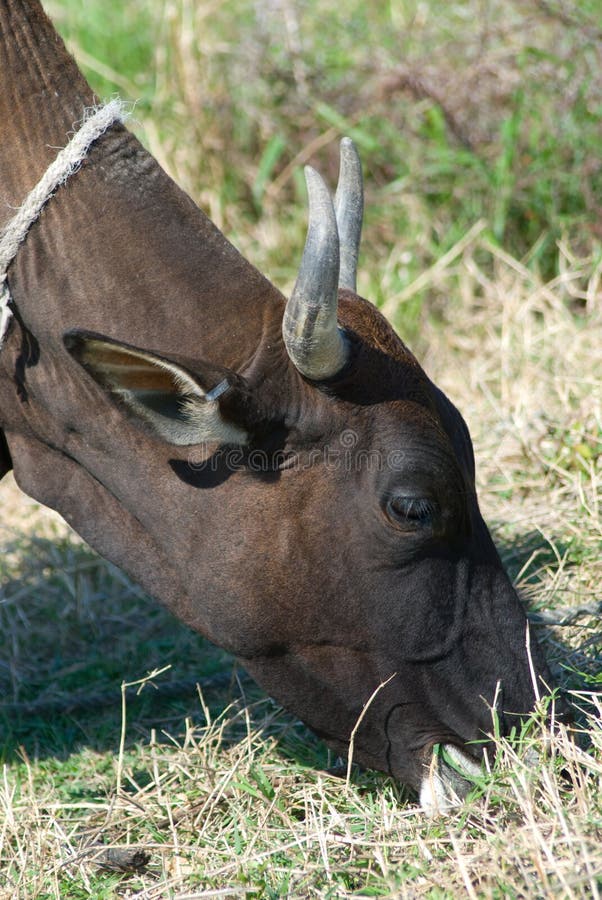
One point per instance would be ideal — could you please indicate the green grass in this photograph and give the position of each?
(84, 630)
(478, 124)
(462, 111)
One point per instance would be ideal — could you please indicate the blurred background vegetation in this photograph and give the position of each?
(480, 114)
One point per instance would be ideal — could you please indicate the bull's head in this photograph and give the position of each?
(330, 525)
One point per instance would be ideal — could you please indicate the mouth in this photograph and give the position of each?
(450, 774)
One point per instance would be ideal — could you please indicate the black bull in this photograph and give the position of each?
(282, 475)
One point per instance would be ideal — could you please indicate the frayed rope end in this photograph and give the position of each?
(116, 109)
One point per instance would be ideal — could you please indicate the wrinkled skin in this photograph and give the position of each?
(312, 568)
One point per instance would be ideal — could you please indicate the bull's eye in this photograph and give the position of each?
(411, 511)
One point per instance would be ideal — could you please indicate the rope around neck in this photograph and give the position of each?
(96, 122)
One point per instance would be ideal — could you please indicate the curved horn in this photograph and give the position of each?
(311, 334)
(349, 208)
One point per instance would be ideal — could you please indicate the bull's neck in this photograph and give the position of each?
(42, 98)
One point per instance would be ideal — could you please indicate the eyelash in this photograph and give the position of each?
(418, 510)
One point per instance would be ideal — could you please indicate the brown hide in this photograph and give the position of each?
(326, 576)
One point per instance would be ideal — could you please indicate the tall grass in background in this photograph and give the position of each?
(462, 111)
(479, 126)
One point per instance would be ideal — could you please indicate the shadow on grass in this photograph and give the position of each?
(73, 629)
(574, 650)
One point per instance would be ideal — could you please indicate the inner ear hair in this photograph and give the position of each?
(158, 392)
(117, 367)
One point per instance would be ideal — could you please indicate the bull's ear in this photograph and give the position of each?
(182, 405)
